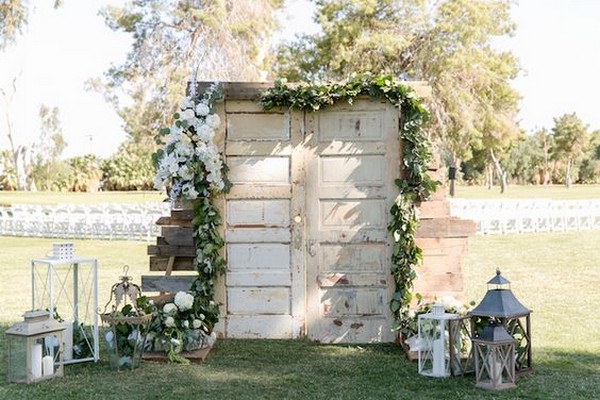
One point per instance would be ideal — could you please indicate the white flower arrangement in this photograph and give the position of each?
(184, 301)
(189, 162)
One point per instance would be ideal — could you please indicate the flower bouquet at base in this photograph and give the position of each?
(180, 325)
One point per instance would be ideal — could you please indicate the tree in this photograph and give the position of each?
(446, 43)
(570, 140)
(13, 17)
(14, 162)
(173, 40)
(47, 151)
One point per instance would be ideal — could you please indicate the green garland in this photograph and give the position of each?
(415, 185)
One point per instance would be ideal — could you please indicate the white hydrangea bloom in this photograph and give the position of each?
(196, 324)
(169, 308)
(184, 301)
(170, 322)
(188, 115)
(213, 121)
(202, 109)
(187, 103)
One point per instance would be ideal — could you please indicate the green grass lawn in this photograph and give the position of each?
(555, 192)
(554, 274)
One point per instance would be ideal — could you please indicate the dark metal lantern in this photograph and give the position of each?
(500, 303)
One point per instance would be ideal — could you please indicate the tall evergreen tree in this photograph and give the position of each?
(447, 43)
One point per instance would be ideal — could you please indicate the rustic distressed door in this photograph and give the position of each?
(265, 285)
(352, 160)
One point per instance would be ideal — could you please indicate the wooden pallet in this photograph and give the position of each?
(174, 251)
(196, 356)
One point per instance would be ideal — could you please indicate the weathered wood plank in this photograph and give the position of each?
(258, 213)
(258, 235)
(431, 284)
(440, 246)
(356, 126)
(351, 280)
(263, 278)
(263, 300)
(259, 327)
(180, 264)
(434, 209)
(445, 227)
(173, 283)
(262, 191)
(168, 250)
(258, 127)
(354, 330)
(252, 256)
(350, 258)
(258, 149)
(269, 170)
(253, 90)
(170, 221)
(353, 301)
(178, 236)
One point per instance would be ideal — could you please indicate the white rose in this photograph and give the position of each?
(170, 322)
(186, 323)
(196, 324)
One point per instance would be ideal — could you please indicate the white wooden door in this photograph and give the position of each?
(352, 159)
(265, 276)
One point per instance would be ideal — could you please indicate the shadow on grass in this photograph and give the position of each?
(298, 369)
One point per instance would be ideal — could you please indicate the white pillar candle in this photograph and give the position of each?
(438, 357)
(68, 341)
(47, 366)
(36, 361)
(495, 370)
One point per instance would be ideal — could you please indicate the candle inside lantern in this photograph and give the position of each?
(36, 361)
(438, 357)
(47, 365)
(68, 341)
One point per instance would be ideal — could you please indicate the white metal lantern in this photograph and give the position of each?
(35, 348)
(494, 352)
(439, 344)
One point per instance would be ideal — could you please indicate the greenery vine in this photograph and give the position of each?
(190, 165)
(415, 184)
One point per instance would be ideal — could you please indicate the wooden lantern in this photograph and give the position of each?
(494, 352)
(35, 348)
(500, 304)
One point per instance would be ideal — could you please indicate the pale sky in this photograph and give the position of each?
(557, 42)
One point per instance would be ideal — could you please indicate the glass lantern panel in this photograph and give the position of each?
(495, 365)
(433, 350)
(125, 343)
(17, 358)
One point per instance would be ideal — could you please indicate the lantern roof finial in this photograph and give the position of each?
(498, 279)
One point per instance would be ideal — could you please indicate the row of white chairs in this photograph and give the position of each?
(83, 221)
(528, 215)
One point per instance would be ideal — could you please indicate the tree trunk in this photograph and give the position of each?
(452, 174)
(568, 174)
(500, 171)
(14, 150)
(489, 176)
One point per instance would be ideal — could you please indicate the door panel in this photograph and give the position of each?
(350, 188)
